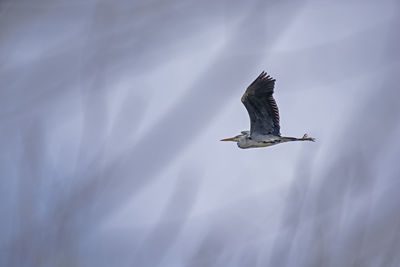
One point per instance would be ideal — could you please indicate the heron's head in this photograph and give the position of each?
(234, 139)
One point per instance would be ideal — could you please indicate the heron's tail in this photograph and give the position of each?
(306, 138)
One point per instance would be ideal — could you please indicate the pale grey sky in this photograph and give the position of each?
(112, 111)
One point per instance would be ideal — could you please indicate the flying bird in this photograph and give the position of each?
(264, 116)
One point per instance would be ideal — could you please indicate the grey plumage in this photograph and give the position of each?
(264, 116)
(261, 106)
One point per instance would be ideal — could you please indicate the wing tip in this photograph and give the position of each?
(265, 76)
(263, 82)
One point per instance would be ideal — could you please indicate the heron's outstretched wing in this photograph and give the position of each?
(261, 106)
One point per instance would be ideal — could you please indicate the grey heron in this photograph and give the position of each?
(264, 116)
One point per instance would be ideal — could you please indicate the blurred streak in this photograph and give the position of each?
(292, 216)
(323, 59)
(210, 250)
(166, 232)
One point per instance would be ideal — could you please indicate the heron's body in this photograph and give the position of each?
(246, 141)
(264, 116)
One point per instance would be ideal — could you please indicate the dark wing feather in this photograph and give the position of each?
(261, 106)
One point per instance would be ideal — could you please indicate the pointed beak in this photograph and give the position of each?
(228, 139)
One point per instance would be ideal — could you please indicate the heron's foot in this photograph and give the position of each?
(306, 138)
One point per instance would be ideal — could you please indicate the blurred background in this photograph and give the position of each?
(111, 114)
